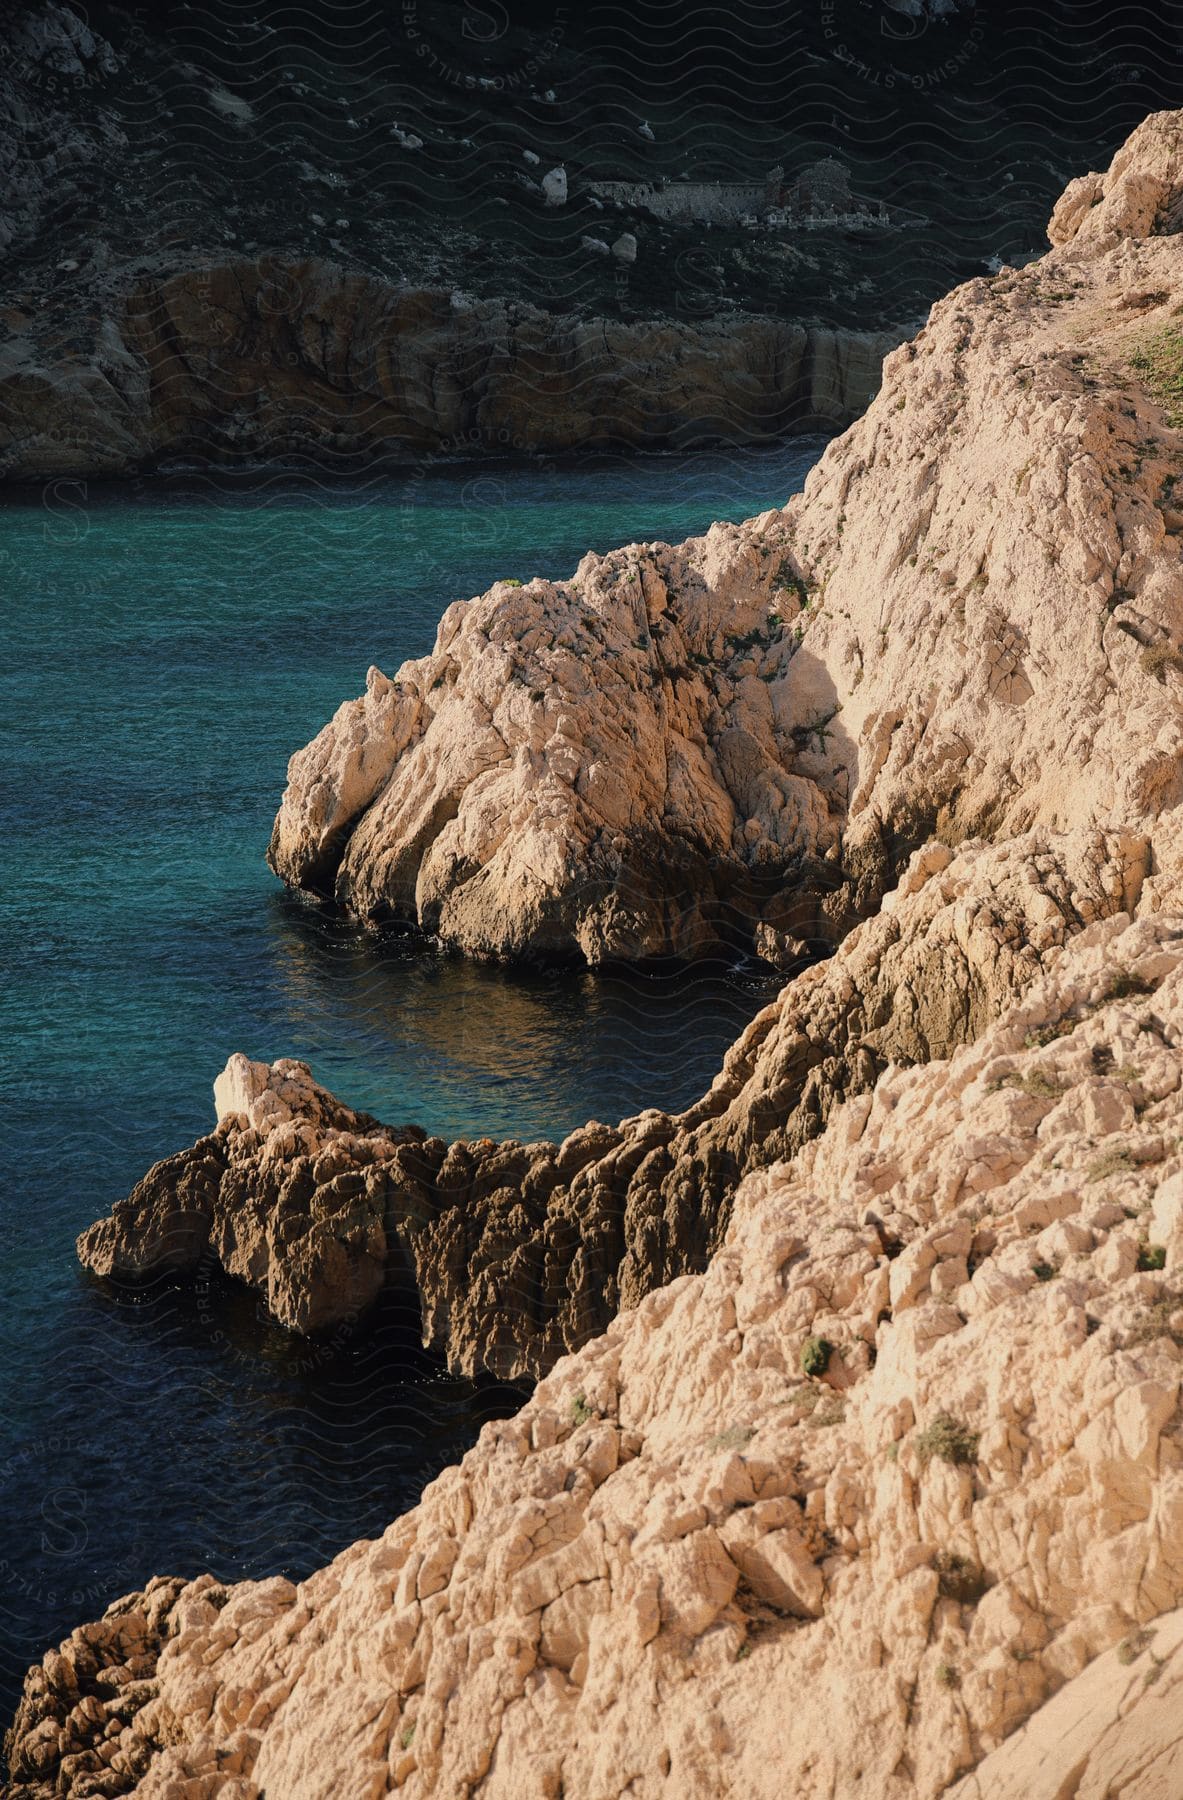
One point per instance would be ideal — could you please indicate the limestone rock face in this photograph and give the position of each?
(995, 595)
(265, 358)
(616, 767)
(998, 541)
(874, 1483)
(978, 597)
(1113, 1730)
(911, 1446)
(1137, 196)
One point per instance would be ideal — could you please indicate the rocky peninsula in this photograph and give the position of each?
(883, 1405)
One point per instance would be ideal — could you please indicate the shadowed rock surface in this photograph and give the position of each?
(520, 1252)
(912, 1444)
(328, 237)
(303, 360)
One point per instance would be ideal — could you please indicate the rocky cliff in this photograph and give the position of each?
(302, 360)
(899, 1430)
(911, 1447)
(949, 547)
(519, 1252)
(172, 182)
(779, 713)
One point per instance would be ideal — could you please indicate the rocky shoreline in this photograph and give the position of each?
(884, 1402)
(518, 1253)
(273, 359)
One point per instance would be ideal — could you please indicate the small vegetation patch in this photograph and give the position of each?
(1047, 1034)
(509, 581)
(740, 645)
(1152, 1257)
(833, 1414)
(1042, 1086)
(961, 1579)
(738, 1437)
(1044, 1271)
(1037, 1083)
(1161, 660)
(1154, 1322)
(947, 1675)
(1131, 1648)
(1159, 361)
(949, 1440)
(1113, 1162)
(1127, 984)
(787, 581)
(815, 1355)
(816, 733)
(581, 1412)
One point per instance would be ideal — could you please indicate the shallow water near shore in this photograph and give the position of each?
(165, 647)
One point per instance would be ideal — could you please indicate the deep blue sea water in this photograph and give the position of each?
(164, 646)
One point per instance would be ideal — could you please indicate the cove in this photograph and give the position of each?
(166, 645)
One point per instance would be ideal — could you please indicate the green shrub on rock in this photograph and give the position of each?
(948, 1439)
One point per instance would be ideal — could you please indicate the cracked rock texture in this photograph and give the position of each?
(911, 1447)
(519, 1252)
(977, 596)
(880, 1489)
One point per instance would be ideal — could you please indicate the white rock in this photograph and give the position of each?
(554, 186)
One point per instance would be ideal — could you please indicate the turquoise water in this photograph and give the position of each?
(164, 649)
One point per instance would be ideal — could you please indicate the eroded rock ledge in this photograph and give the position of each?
(999, 611)
(273, 359)
(519, 1252)
(911, 1446)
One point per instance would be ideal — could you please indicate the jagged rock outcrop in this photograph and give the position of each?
(615, 767)
(996, 611)
(977, 594)
(911, 1446)
(519, 1252)
(279, 359)
(289, 1193)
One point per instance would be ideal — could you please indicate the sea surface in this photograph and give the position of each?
(164, 646)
